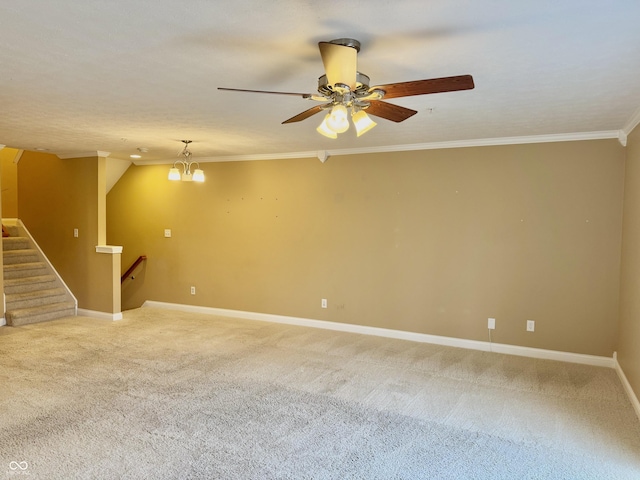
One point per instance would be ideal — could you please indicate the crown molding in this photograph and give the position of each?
(632, 123)
(478, 142)
(18, 156)
(95, 153)
(237, 158)
(484, 142)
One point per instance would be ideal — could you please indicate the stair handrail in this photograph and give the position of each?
(131, 269)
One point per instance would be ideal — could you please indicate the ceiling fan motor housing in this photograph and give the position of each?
(362, 85)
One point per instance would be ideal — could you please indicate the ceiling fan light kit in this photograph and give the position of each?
(343, 89)
(337, 122)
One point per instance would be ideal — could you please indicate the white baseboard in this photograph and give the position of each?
(397, 334)
(3, 322)
(594, 360)
(627, 386)
(101, 315)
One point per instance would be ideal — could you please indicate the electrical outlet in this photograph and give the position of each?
(491, 324)
(167, 233)
(193, 290)
(531, 325)
(75, 232)
(324, 303)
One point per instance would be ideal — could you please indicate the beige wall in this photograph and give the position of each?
(55, 196)
(430, 241)
(6, 155)
(629, 338)
(9, 173)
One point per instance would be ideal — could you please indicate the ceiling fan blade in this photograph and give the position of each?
(306, 114)
(303, 95)
(423, 87)
(340, 63)
(392, 112)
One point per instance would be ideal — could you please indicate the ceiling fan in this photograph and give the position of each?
(343, 88)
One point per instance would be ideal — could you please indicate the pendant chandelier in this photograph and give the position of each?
(190, 173)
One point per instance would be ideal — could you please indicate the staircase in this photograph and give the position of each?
(33, 291)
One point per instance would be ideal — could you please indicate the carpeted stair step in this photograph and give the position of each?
(29, 284)
(21, 270)
(25, 316)
(13, 230)
(33, 292)
(37, 298)
(15, 243)
(27, 255)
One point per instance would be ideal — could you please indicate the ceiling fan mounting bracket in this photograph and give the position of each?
(347, 42)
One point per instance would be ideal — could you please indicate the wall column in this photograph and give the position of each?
(109, 262)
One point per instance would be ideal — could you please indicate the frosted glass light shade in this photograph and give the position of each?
(362, 122)
(198, 175)
(323, 129)
(174, 174)
(338, 120)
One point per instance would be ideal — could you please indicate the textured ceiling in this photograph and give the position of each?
(117, 75)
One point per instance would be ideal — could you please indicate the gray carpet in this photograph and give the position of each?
(164, 394)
